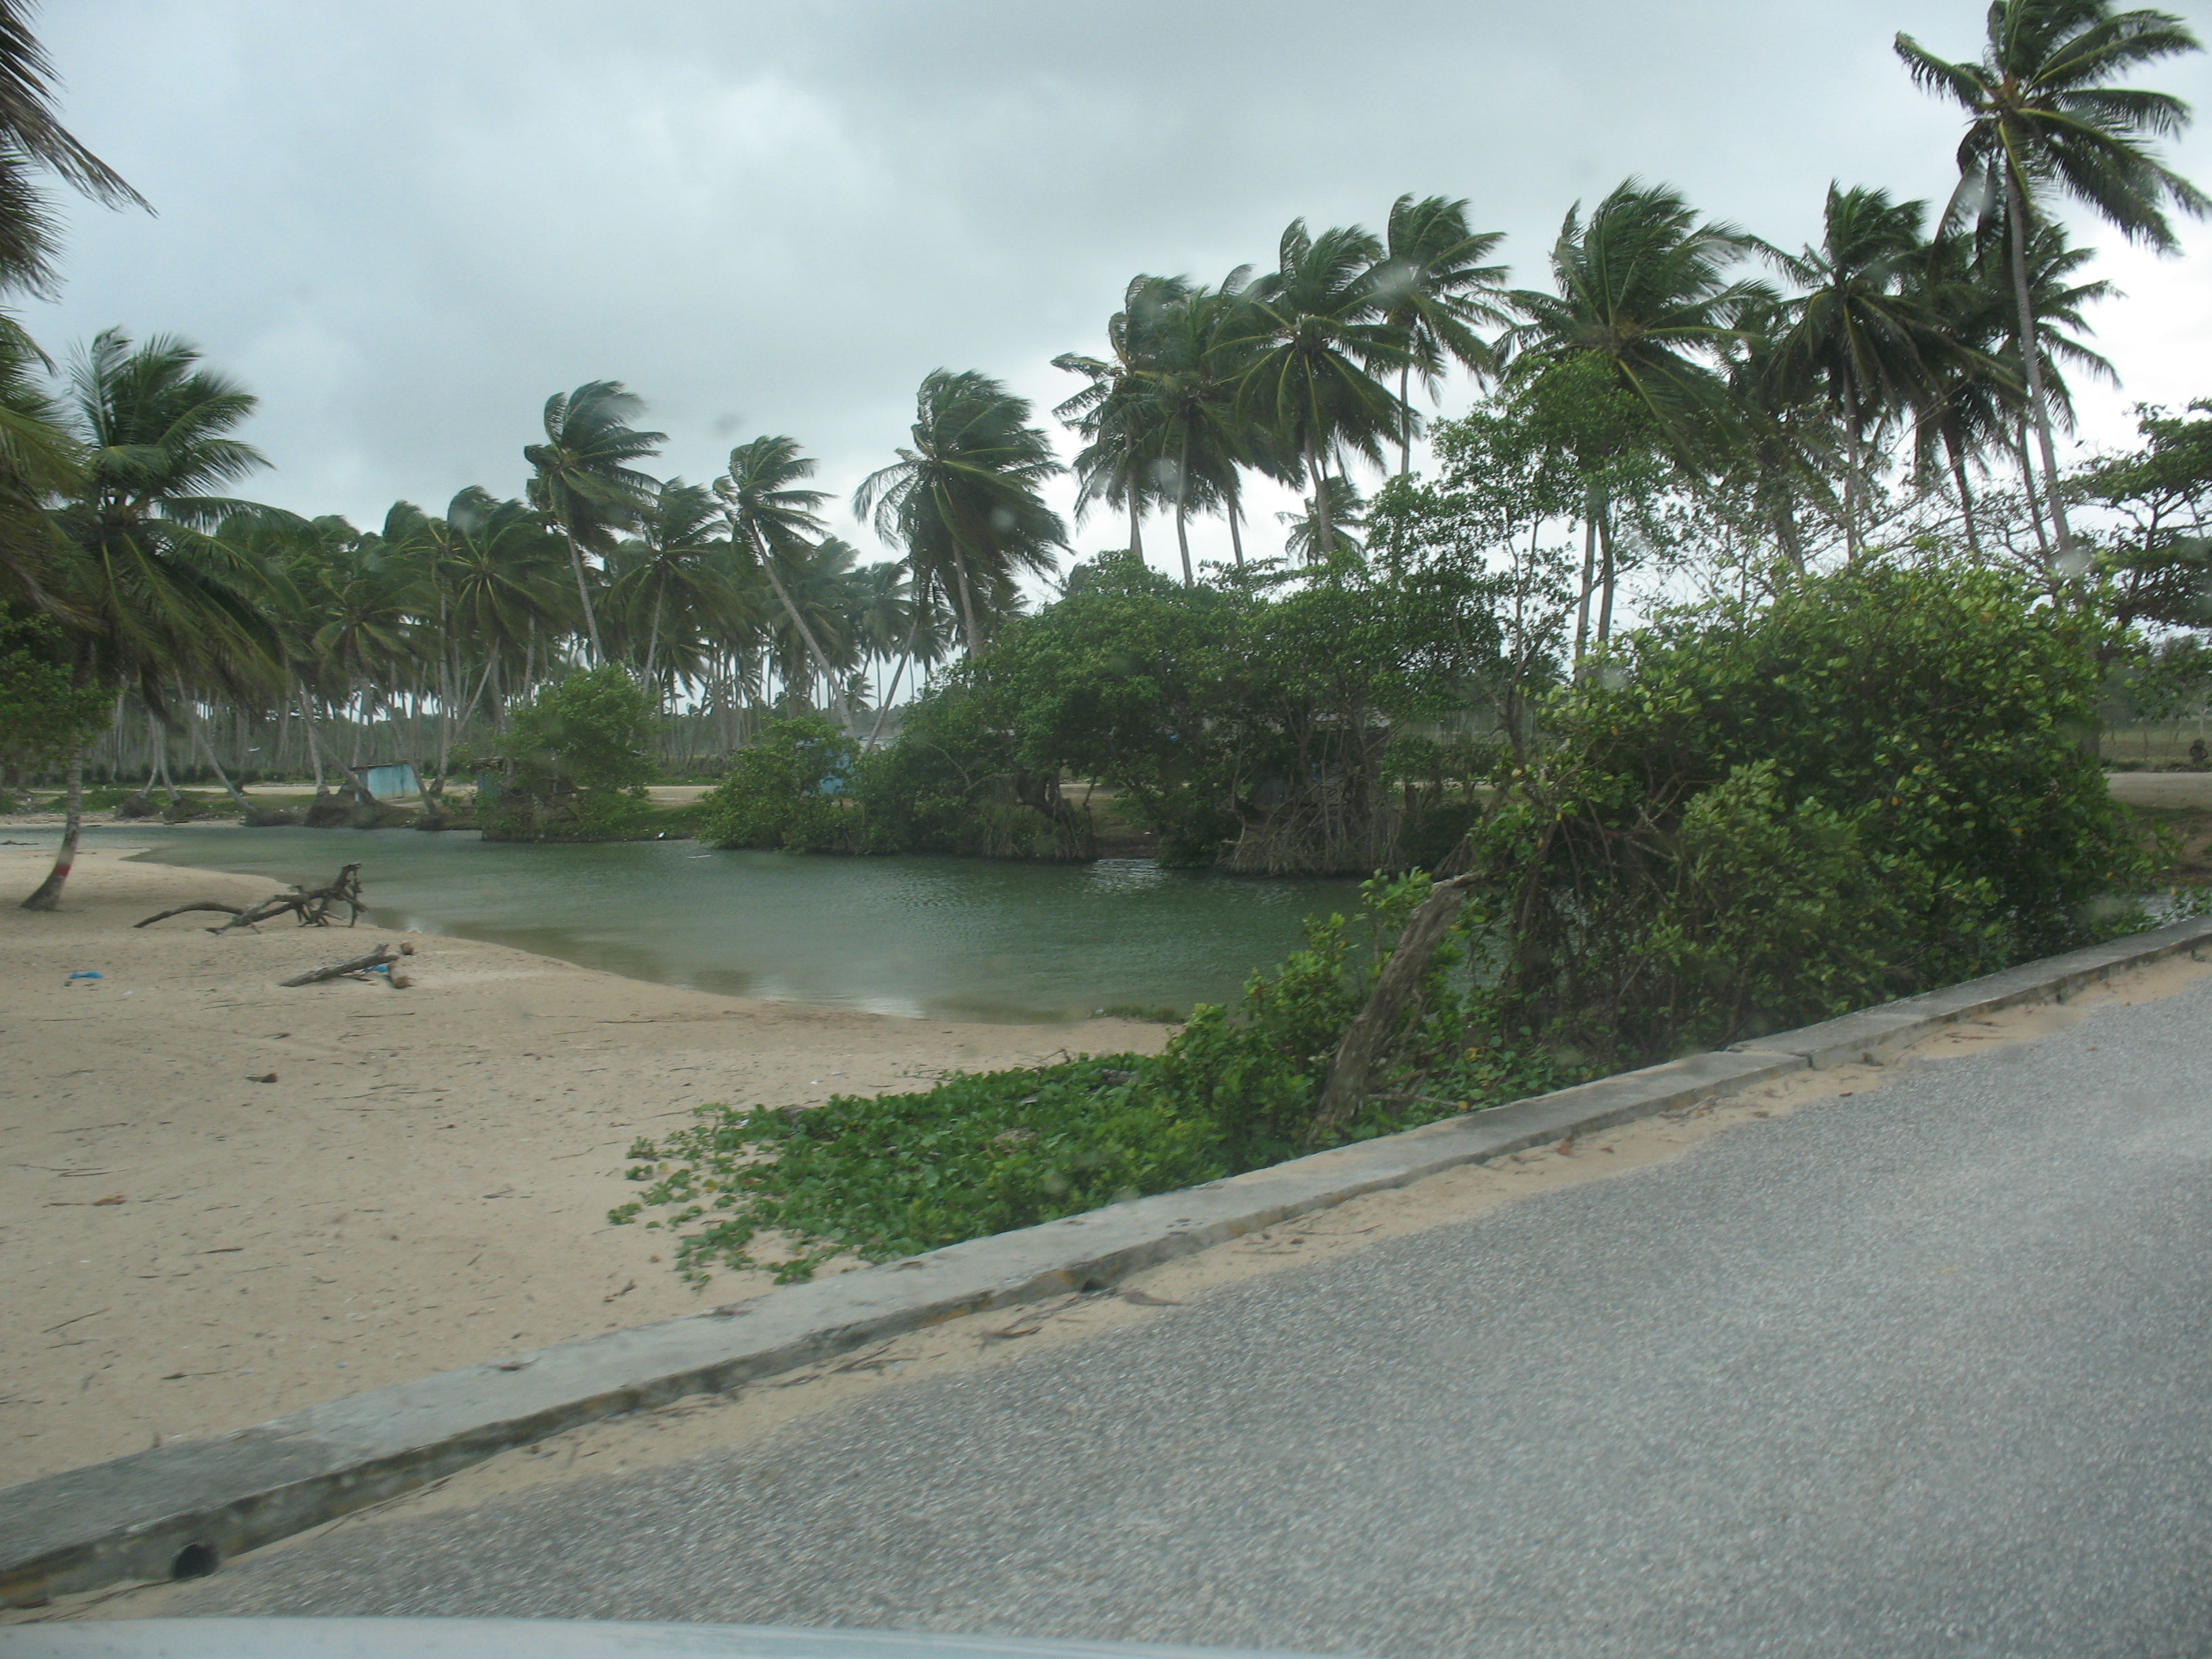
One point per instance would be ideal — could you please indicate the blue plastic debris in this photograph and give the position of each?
(89, 973)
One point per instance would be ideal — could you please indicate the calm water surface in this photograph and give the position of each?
(949, 939)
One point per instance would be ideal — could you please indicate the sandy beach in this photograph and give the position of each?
(425, 1185)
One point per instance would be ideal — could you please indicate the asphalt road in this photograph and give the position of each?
(1922, 1371)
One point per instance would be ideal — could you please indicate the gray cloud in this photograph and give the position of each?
(404, 224)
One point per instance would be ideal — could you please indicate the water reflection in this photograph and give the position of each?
(948, 939)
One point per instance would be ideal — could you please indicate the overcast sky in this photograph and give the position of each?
(404, 224)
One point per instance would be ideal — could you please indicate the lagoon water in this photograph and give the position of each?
(946, 938)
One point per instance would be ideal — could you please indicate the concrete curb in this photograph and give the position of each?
(184, 1507)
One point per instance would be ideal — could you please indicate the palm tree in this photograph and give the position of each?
(2044, 116)
(586, 484)
(1204, 349)
(1317, 335)
(964, 502)
(32, 138)
(1625, 351)
(1436, 290)
(503, 580)
(1316, 538)
(1858, 335)
(818, 578)
(769, 518)
(667, 573)
(1118, 415)
(148, 596)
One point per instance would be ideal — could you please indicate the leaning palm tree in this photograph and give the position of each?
(1437, 290)
(1118, 415)
(770, 517)
(1318, 336)
(586, 482)
(965, 501)
(1858, 334)
(148, 597)
(1306, 539)
(2044, 118)
(667, 575)
(1627, 348)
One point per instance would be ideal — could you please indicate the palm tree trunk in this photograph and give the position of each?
(1965, 493)
(583, 594)
(652, 642)
(47, 896)
(970, 623)
(1325, 541)
(813, 646)
(1235, 533)
(200, 736)
(2030, 359)
(1605, 555)
(2027, 483)
(1855, 475)
(1182, 508)
(1589, 569)
(1136, 524)
(1405, 420)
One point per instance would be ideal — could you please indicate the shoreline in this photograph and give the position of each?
(191, 1250)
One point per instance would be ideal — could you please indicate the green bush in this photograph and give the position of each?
(1879, 782)
(577, 762)
(786, 791)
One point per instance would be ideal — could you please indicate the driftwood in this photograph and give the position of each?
(1366, 1037)
(313, 906)
(382, 956)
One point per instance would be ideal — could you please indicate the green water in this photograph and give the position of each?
(946, 938)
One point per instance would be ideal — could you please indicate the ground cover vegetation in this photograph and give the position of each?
(1852, 750)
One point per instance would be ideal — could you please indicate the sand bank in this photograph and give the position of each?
(187, 1250)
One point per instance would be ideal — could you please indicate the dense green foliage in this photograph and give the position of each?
(576, 764)
(1875, 783)
(782, 792)
(43, 706)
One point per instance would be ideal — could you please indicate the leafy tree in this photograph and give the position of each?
(585, 480)
(45, 714)
(2043, 116)
(578, 761)
(2157, 566)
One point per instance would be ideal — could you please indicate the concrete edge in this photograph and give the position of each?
(199, 1501)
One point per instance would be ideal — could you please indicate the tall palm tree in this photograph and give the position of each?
(1643, 312)
(148, 596)
(1318, 338)
(1204, 349)
(770, 517)
(1858, 333)
(816, 634)
(504, 581)
(587, 483)
(2043, 117)
(1316, 540)
(965, 501)
(1436, 289)
(1118, 414)
(667, 573)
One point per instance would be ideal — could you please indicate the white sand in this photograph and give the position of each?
(425, 1186)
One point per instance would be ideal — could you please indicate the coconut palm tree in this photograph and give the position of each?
(2045, 118)
(586, 481)
(1317, 334)
(769, 517)
(1204, 349)
(149, 598)
(503, 579)
(1118, 414)
(1316, 538)
(1625, 354)
(1859, 334)
(965, 501)
(665, 575)
(1435, 288)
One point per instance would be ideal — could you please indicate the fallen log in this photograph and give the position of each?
(313, 906)
(205, 904)
(382, 956)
